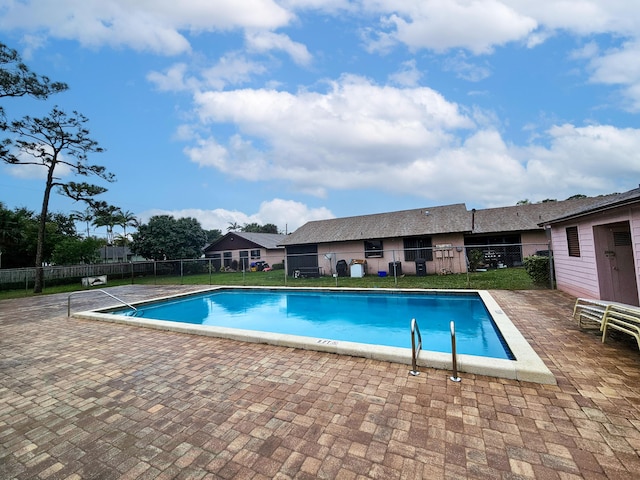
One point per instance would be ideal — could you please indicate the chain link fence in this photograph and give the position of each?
(393, 264)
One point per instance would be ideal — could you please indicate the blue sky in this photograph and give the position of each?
(287, 111)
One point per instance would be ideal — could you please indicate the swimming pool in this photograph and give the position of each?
(371, 317)
(239, 313)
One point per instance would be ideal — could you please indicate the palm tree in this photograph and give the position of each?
(233, 227)
(86, 216)
(106, 216)
(127, 219)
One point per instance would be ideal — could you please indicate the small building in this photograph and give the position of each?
(239, 250)
(404, 240)
(596, 249)
(433, 240)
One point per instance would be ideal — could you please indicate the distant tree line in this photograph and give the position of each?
(63, 243)
(547, 200)
(253, 228)
(162, 238)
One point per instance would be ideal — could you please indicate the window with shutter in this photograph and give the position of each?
(573, 242)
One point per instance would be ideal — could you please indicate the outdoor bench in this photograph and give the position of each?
(608, 315)
(590, 312)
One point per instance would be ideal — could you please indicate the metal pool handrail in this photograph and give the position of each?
(98, 290)
(415, 350)
(454, 355)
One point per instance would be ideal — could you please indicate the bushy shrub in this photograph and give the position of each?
(194, 267)
(476, 259)
(538, 269)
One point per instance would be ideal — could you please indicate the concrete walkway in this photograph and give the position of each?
(82, 399)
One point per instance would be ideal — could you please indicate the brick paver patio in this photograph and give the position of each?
(82, 399)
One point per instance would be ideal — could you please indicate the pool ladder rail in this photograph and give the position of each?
(97, 290)
(417, 346)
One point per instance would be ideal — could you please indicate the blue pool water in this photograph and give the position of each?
(364, 317)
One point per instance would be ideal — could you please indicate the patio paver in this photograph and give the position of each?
(82, 399)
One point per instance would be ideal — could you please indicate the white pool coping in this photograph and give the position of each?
(527, 367)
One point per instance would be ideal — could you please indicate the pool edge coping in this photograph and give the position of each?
(527, 367)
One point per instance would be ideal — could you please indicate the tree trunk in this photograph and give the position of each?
(42, 226)
(39, 281)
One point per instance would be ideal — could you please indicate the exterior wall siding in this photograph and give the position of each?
(270, 256)
(575, 275)
(393, 250)
(634, 223)
(578, 276)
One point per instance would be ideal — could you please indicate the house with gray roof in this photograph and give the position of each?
(431, 240)
(242, 250)
(596, 248)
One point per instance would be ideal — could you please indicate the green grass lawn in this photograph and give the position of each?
(502, 279)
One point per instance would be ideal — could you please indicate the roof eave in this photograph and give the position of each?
(592, 211)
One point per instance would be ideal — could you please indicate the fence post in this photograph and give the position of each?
(551, 269)
(466, 262)
(395, 269)
(285, 263)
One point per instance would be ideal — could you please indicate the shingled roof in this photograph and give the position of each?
(405, 223)
(265, 240)
(602, 203)
(520, 218)
(441, 220)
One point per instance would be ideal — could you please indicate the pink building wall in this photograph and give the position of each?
(578, 276)
(270, 256)
(533, 242)
(393, 250)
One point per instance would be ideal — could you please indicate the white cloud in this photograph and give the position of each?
(172, 80)
(620, 66)
(358, 136)
(407, 76)
(587, 51)
(262, 41)
(587, 152)
(26, 171)
(337, 139)
(465, 69)
(480, 26)
(441, 25)
(231, 69)
(209, 153)
(287, 215)
(582, 17)
(329, 6)
(151, 25)
(36, 170)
